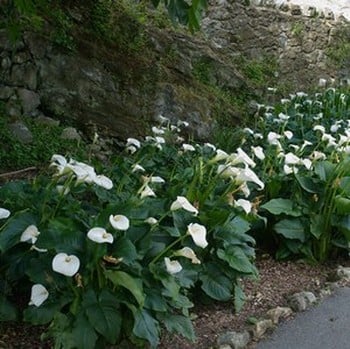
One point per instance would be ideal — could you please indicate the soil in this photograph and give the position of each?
(277, 281)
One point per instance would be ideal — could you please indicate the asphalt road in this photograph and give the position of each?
(324, 326)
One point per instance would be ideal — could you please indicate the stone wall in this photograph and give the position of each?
(95, 85)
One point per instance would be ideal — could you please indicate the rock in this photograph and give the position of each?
(6, 92)
(343, 272)
(280, 312)
(261, 327)
(295, 10)
(235, 340)
(21, 132)
(29, 100)
(302, 300)
(225, 346)
(45, 120)
(24, 75)
(70, 133)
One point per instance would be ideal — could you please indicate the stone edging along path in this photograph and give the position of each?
(298, 302)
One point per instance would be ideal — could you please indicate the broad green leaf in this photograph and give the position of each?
(217, 286)
(291, 229)
(237, 259)
(239, 225)
(8, 311)
(317, 225)
(41, 315)
(343, 224)
(324, 170)
(133, 285)
(309, 184)
(126, 250)
(278, 206)
(11, 232)
(83, 333)
(155, 301)
(172, 288)
(103, 313)
(239, 298)
(345, 185)
(342, 205)
(179, 324)
(146, 327)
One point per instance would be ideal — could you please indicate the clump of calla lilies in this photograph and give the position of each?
(108, 254)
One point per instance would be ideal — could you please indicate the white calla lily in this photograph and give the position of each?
(103, 181)
(172, 267)
(288, 134)
(157, 130)
(198, 233)
(248, 175)
(66, 265)
(100, 235)
(241, 157)
(133, 142)
(258, 152)
(187, 252)
(137, 167)
(38, 296)
(157, 179)
(188, 147)
(182, 202)
(31, 233)
(4, 213)
(291, 159)
(220, 155)
(147, 191)
(273, 137)
(245, 204)
(151, 221)
(119, 222)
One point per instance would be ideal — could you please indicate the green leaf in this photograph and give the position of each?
(217, 286)
(83, 333)
(291, 229)
(179, 324)
(155, 301)
(237, 259)
(12, 230)
(41, 315)
(342, 205)
(345, 185)
(8, 311)
(343, 224)
(146, 327)
(309, 184)
(278, 206)
(120, 278)
(127, 250)
(317, 225)
(324, 170)
(239, 298)
(103, 314)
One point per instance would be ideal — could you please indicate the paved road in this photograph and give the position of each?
(324, 326)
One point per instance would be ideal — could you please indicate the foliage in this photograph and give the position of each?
(339, 50)
(46, 140)
(101, 259)
(304, 147)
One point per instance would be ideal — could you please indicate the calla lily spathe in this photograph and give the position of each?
(4, 213)
(31, 233)
(172, 267)
(38, 296)
(100, 235)
(182, 202)
(187, 252)
(66, 265)
(119, 222)
(147, 191)
(198, 233)
(245, 204)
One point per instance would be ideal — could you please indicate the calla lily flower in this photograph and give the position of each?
(62, 190)
(103, 181)
(157, 131)
(60, 162)
(172, 267)
(119, 222)
(198, 233)
(291, 159)
(38, 296)
(66, 265)
(188, 147)
(4, 213)
(182, 202)
(133, 142)
(220, 155)
(100, 235)
(258, 152)
(245, 204)
(137, 167)
(241, 157)
(317, 155)
(147, 191)
(226, 171)
(211, 146)
(31, 233)
(151, 220)
(273, 138)
(288, 134)
(157, 179)
(187, 252)
(319, 128)
(247, 175)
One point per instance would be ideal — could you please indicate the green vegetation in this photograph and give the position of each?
(339, 50)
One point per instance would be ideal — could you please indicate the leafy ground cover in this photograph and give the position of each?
(106, 254)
